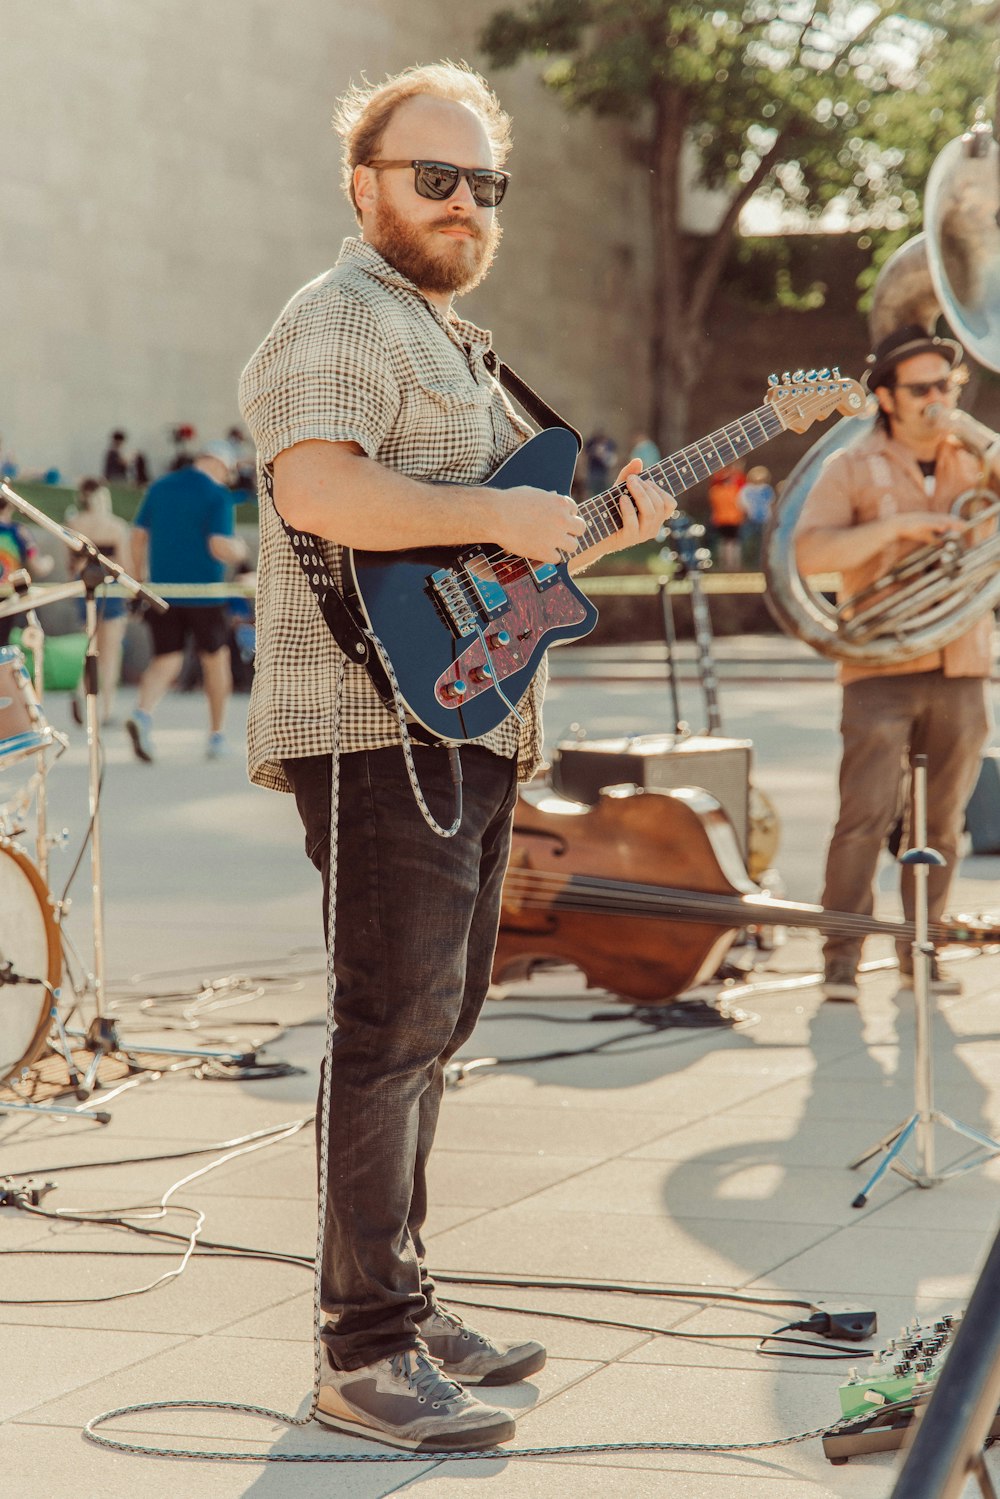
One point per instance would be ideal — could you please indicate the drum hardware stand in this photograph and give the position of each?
(692, 559)
(920, 1125)
(670, 638)
(101, 1036)
(7, 976)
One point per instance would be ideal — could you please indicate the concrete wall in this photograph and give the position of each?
(169, 177)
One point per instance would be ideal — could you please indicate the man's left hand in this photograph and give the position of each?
(644, 510)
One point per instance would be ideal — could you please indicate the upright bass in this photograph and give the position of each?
(646, 891)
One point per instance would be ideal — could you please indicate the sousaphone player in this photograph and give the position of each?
(873, 503)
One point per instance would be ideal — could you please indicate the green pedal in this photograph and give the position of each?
(903, 1370)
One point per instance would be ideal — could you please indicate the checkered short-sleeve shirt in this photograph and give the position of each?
(359, 355)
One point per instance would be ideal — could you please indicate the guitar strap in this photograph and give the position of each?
(342, 620)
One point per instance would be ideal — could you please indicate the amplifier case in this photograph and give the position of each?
(660, 762)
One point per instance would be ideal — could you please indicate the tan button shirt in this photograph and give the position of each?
(876, 477)
(359, 355)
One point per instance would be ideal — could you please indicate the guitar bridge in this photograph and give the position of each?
(470, 594)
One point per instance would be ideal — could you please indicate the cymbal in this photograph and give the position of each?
(40, 594)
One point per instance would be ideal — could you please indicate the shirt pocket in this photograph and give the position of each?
(447, 425)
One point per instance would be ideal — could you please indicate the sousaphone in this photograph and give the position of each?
(935, 593)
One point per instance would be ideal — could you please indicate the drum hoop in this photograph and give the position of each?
(54, 954)
(24, 744)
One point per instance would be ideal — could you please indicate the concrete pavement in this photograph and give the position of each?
(701, 1161)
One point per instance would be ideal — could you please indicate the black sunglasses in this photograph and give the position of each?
(922, 388)
(439, 179)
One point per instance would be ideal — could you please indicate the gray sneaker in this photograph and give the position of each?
(406, 1400)
(472, 1357)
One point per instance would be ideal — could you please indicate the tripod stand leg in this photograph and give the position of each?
(879, 1145)
(101, 1116)
(75, 1076)
(889, 1159)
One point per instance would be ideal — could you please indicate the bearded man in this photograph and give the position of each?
(367, 392)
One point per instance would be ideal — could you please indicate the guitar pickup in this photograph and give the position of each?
(544, 574)
(488, 589)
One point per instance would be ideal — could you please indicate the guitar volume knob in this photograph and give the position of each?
(455, 691)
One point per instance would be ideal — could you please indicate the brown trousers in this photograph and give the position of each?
(885, 722)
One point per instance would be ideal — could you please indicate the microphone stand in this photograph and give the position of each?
(920, 1125)
(97, 569)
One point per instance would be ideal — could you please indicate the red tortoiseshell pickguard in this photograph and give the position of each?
(533, 613)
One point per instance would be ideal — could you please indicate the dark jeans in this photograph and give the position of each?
(885, 722)
(416, 928)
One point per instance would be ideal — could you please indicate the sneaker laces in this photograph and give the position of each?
(451, 1318)
(455, 1322)
(425, 1376)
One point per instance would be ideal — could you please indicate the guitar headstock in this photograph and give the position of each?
(809, 396)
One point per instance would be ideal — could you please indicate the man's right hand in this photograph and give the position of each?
(925, 526)
(536, 523)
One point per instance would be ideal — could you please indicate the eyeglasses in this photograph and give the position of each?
(922, 388)
(439, 179)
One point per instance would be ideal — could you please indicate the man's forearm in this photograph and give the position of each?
(351, 499)
(832, 549)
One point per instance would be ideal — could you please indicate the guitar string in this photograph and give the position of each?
(540, 891)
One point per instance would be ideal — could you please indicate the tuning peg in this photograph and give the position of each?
(799, 376)
(824, 374)
(811, 376)
(786, 377)
(772, 380)
(836, 372)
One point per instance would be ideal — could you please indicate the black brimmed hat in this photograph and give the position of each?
(903, 344)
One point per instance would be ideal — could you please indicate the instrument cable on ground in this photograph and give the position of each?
(266, 1413)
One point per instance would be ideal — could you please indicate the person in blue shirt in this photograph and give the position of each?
(184, 532)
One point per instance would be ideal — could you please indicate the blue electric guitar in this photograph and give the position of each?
(465, 629)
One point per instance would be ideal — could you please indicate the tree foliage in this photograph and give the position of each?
(836, 107)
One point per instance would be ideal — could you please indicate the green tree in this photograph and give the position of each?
(814, 104)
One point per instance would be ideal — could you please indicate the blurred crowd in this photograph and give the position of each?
(739, 500)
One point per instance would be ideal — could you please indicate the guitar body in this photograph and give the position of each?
(428, 605)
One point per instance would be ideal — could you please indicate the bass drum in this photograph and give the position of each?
(30, 951)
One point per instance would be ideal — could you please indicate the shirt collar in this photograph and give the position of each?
(367, 259)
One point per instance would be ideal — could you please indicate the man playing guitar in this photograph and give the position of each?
(367, 393)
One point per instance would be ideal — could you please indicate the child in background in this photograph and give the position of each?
(756, 498)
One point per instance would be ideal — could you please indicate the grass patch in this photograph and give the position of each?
(55, 499)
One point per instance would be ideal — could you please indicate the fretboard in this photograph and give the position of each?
(682, 470)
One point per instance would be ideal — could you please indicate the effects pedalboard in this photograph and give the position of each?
(884, 1397)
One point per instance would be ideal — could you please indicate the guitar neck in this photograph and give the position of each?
(682, 470)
